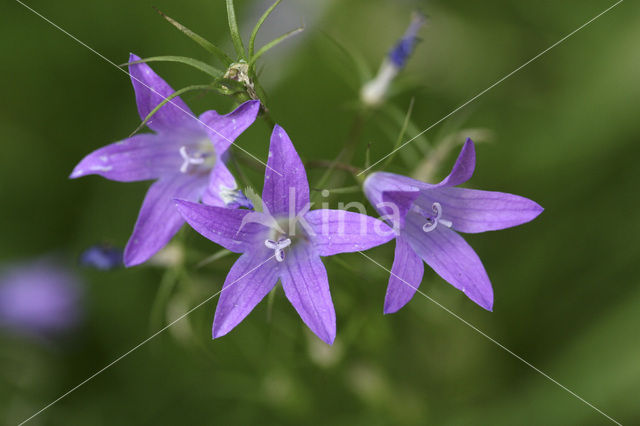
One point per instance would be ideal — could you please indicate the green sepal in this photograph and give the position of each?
(233, 29)
(204, 43)
(272, 44)
(254, 33)
(199, 65)
(254, 197)
(167, 100)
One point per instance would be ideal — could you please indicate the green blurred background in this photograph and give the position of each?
(564, 133)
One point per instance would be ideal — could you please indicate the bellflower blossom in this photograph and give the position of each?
(185, 156)
(284, 242)
(39, 299)
(427, 221)
(374, 91)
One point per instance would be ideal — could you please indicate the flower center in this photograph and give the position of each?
(278, 247)
(194, 157)
(189, 159)
(434, 218)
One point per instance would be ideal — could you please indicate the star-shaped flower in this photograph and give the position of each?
(427, 219)
(284, 242)
(185, 157)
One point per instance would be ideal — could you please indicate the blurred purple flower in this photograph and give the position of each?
(39, 299)
(403, 49)
(102, 257)
(284, 242)
(184, 156)
(374, 91)
(426, 220)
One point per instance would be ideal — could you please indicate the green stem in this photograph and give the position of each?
(403, 130)
(159, 307)
(345, 190)
(346, 154)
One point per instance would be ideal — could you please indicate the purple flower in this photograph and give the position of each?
(39, 299)
(102, 257)
(284, 242)
(426, 219)
(374, 91)
(185, 157)
(403, 49)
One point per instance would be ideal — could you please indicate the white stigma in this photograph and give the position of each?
(433, 221)
(278, 247)
(189, 159)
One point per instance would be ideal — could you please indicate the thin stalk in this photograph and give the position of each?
(346, 154)
(403, 130)
(167, 284)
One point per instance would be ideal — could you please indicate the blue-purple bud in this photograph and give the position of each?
(403, 49)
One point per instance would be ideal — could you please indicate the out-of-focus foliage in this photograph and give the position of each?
(564, 132)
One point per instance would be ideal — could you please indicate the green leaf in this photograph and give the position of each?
(167, 100)
(345, 190)
(358, 63)
(421, 143)
(206, 44)
(272, 44)
(233, 28)
(199, 65)
(254, 33)
(367, 156)
(403, 130)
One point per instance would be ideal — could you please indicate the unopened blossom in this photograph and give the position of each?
(39, 299)
(102, 256)
(185, 156)
(374, 91)
(285, 241)
(427, 219)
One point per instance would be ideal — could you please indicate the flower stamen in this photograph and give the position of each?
(278, 247)
(189, 159)
(435, 219)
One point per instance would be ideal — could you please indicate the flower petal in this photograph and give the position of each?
(406, 276)
(379, 182)
(463, 168)
(224, 129)
(159, 220)
(341, 231)
(150, 90)
(141, 157)
(397, 205)
(306, 285)
(472, 210)
(285, 179)
(220, 179)
(452, 258)
(226, 227)
(250, 279)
